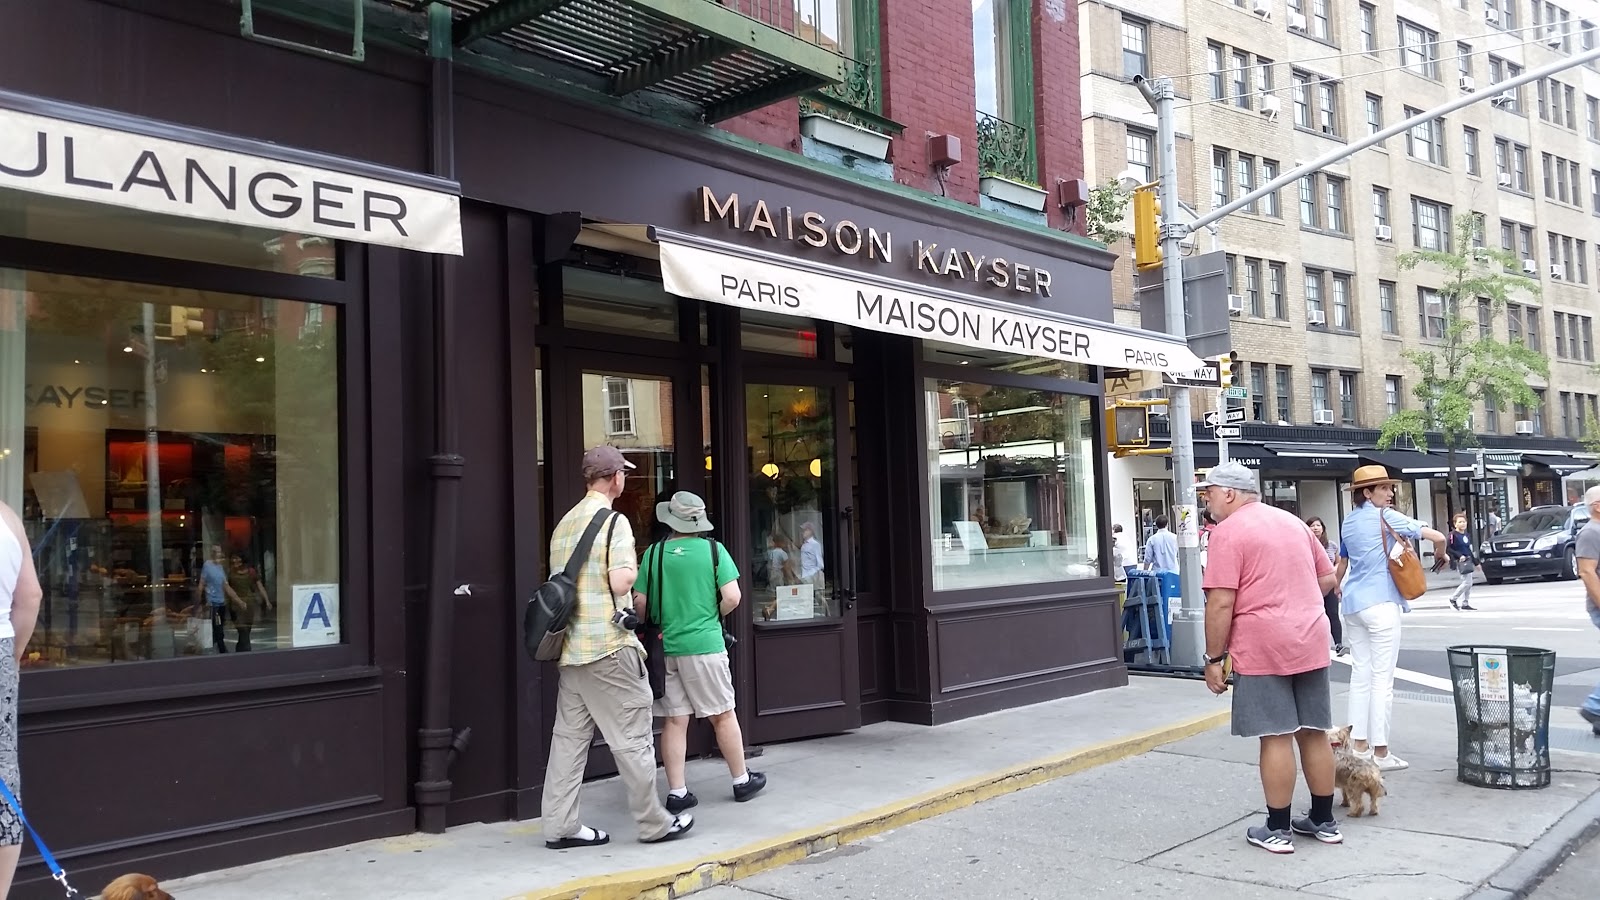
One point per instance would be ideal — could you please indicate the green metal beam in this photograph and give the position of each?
(439, 32)
(717, 21)
(670, 62)
(502, 17)
(792, 85)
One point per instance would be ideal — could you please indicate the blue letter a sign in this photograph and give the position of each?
(316, 615)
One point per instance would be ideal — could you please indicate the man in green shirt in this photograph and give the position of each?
(688, 582)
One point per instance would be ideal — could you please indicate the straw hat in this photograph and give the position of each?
(1371, 476)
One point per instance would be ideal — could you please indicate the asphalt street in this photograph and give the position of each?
(1575, 879)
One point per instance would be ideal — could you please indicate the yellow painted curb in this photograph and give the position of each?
(680, 879)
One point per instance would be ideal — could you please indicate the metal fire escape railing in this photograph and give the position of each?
(1006, 149)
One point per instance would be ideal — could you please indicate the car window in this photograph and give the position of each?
(1530, 523)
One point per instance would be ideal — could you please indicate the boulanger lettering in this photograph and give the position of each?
(849, 238)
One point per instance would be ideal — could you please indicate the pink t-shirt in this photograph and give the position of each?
(1272, 560)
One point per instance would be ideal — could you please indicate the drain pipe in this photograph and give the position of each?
(438, 745)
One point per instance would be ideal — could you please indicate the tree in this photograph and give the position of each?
(1104, 215)
(1462, 362)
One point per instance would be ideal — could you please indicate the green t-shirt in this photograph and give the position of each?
(685, 602)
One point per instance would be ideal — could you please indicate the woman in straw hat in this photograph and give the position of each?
(1372, 605)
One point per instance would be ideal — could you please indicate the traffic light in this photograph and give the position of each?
(1128, 426)
(1146, 229)
(1225, 373)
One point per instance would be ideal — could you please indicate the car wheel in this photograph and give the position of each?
(1490, 580)
(1569, 567)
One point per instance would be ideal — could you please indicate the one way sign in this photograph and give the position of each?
(1205, 376)
(1229, 417)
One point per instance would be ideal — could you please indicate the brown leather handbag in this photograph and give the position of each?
(1404, 567)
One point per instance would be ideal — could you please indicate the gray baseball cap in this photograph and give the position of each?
(1230, 475)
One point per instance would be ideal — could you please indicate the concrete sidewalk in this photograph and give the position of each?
(823, 793)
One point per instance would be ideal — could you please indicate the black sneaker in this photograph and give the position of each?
(677, 805)
(751, 787)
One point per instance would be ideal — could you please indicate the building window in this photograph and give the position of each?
(1374, 114)
(1314, 309)
(1419, 50)
(1391, 394)
(1386, 308)
(1430, 305)
(1431, 223)
(1464, 60)
(1485, 319)
(1514, 323)
(619, 406)
(1214, 54)
(1587, 334)
(1258, 392)
(1245, 170)
(1252, 287)
(1561, 335)
(1491, 412)
(1036, 507)
(1302, 98)
(1003, 59)
(1594, 190)
(1530, 325)
(1238, 66)
(1283, 393)
(1333, 188)
(1380, 206)
(1369, 28)
(1347, 398)
(1139, 147)
(1264, 80)
(175, 437)
(1269, 202)
(1319, 391)
(1538, 411)
(1519, 167)
(1320, 27)
(1343, 318)
(1469, 149)
(1592, 106)
(1220, 178)
(1135, 48)
(1525, 243)
(1425, 140)
(1275, 283)
(1308, 202)
(1565, 400)
(1327, 108)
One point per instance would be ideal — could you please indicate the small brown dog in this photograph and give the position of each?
(1354, 776)
(134, 887)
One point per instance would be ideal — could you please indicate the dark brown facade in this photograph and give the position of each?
(463, 410)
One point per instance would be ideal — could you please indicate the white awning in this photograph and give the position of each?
(189, 174)
(748, 278)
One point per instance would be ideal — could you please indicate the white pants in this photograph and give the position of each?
(1374, 639)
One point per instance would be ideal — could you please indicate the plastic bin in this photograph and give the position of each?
(1502, 699)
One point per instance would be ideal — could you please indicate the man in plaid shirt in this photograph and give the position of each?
(603, 682)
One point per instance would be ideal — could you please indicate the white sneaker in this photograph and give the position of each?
(1390, 763)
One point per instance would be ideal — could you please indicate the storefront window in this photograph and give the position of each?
(1010, 485)
(171, 451)
(996, 361)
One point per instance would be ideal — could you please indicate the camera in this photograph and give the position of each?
(626, 619)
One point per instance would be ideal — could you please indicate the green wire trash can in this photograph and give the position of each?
(1502, 699)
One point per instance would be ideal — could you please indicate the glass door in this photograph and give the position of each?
(802, 601)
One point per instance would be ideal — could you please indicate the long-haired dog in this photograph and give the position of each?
(1355, 777)
(134, 887)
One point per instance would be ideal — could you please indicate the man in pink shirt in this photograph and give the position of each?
(1264, 580)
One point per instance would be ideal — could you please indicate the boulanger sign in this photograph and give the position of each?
(753, 279)
(60, 158)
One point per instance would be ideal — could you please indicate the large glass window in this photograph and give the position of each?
(1011, 485)
(175, 455)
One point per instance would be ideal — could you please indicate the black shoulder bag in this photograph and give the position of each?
(649, 630)
(544, 621)
(728, 640)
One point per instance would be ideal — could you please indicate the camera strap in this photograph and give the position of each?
(605, 569)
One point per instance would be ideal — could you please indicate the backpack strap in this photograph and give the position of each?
(580, 553)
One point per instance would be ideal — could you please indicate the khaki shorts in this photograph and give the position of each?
(701, 685)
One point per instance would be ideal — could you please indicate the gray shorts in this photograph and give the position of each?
(1266, 705)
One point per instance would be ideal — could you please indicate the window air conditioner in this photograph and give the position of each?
(1554, 40)
(1492, 16)
(1529, 267)
(1322, 416)
(1271, 105)
(1263, 9)
(1467, 84)
(1524, 426)
(1315, 317)
(1505, 179)
(1557, 272)
(1235, 304)
(1385, 233)
(1504, 98)
(1297, 21)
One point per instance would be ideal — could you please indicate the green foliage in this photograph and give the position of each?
(1104, 213)
(1459, 370)
(1591, 434)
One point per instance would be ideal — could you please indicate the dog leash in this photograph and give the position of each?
(56, 872)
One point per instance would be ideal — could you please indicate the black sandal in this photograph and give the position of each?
(568, 843)
(680, 826)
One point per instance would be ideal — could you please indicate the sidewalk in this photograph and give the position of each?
(1138, 788)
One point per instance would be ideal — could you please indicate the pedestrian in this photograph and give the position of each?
(219, 595)
(1122, 554)
(1588, 554)
(602, 680)
(1372, 606)
(1463, 560)
(20, 596)
(688, 583)
(1330, 600)
(1161, 551)
(1494, 522)
(1266, 576)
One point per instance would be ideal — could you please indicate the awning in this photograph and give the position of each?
(1413, 462)
(1560, 463)
(61, 150)
(1493, 463)
(1251, 456)
(1325, 459)
(749, 278)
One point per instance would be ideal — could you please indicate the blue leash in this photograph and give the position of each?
(56, 872)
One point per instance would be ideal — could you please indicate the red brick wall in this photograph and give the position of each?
(1057, 111)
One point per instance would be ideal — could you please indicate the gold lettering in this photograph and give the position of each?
(974, 263)
(761, 217)
(879, 245)
(1000, 272)
(952, 263)
(1023, 273)
(852, 245)
(1041, 282)
(925, 261)
(728, 212)
(788, 223)
(816, 230)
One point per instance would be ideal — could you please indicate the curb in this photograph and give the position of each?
(681, 879)
(1518, 878)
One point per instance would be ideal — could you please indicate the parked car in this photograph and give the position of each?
(1537, 543)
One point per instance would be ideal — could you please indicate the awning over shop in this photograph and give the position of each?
(1412, 462)
(1560, 463)
(1493, 463)
(61, 150)
(1251, 456)
(745, 277)
(1328, 459)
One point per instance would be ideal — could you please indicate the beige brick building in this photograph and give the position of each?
(1264, 85)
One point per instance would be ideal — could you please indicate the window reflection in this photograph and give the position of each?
(1011, 485)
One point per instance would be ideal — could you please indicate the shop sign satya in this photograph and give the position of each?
(847, 238)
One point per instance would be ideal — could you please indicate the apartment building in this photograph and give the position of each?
(1324, 310)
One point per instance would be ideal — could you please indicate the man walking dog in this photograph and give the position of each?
(1264, 584)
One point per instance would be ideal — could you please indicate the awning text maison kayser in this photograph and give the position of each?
(846, 237)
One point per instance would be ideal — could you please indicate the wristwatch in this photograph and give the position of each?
(1216, 660)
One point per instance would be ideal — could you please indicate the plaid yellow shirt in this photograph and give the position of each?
(590, 634)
